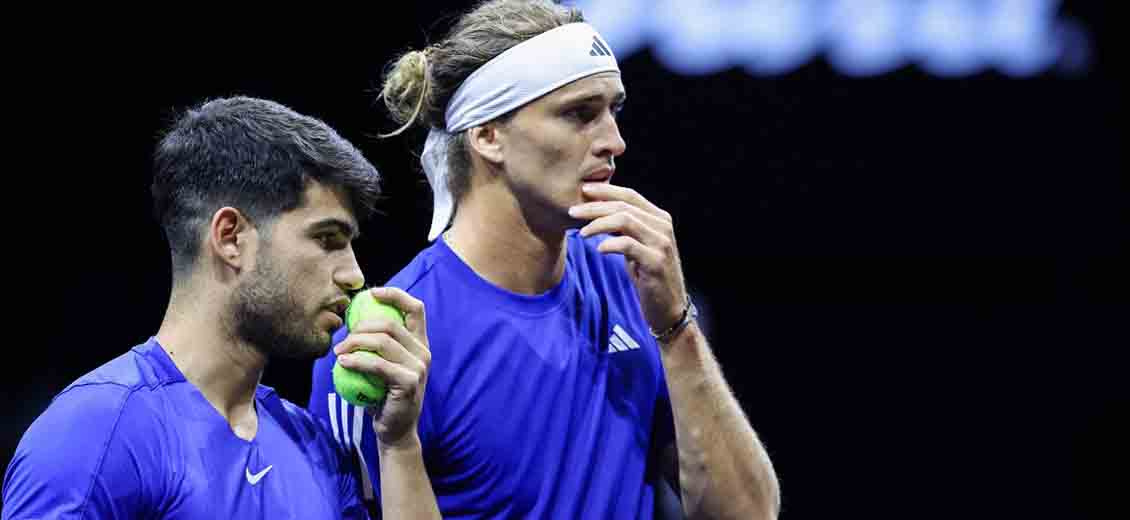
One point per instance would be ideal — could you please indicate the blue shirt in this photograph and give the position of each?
(547, 406)
(134, 439)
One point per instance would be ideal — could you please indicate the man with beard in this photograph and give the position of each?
(260, 206)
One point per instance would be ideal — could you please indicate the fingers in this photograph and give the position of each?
(412, 308)
(389, 340)
(646, 233)
(393, 374)
(619, 217)
(413, 334)
(404, 344)
(631, 248)
(607, 207)
(394, 363)
(610, 192)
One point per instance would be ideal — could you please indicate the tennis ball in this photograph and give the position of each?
(356, 387)
(364, 306)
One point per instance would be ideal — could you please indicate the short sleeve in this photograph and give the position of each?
(75, 462)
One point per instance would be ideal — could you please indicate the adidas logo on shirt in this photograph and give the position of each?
(620, 341)
(598, 48)
(349, 434)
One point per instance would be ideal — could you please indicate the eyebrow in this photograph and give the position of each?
(337, 224)
(619, 98)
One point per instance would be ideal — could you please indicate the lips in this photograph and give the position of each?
(601, 175)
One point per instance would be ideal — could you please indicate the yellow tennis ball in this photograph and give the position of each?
(356, 387)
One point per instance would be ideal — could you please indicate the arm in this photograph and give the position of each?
(406, 491)
(403, 364)
(724, 470)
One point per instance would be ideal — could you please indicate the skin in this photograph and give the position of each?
(548, 169)
(287, 273)
(280, 290)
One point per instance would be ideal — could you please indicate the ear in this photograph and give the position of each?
(487, 141)
(229, 237)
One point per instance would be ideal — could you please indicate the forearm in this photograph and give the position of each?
(724, 471)
(406, 491)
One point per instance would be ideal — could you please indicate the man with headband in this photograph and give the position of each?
(567, 365)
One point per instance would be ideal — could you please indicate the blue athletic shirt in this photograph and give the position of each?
(547, 406)
(134, 439)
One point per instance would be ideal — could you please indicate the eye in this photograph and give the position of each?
(331, 241)
(581, 114)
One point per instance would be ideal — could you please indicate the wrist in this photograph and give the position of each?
(408, 443)
(687, 354)
(688, 315)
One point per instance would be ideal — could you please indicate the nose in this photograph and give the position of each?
(610, 143)
(349, 276)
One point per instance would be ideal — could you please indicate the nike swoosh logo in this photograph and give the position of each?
(254, 479)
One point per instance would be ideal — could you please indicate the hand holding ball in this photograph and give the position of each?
(359, 388)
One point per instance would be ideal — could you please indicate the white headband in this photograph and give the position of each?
(518, 76)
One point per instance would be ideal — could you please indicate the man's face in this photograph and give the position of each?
(292, 299)
(564, 139)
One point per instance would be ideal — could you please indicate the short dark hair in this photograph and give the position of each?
(251, 154)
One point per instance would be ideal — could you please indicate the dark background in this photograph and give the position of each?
(916, 286)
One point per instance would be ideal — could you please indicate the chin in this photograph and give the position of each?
(563, 211)
(574, 223)
(316, 344)
(563, 222)
(325, 339)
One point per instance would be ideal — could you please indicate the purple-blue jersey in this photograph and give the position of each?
(134, 439)
(547, 406)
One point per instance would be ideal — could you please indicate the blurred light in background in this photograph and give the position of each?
(946, 38)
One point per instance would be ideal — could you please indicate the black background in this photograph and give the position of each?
(916, 286)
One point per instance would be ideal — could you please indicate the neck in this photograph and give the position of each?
(224, 369)
(504, 246)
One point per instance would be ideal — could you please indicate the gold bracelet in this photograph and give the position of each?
(690, 312)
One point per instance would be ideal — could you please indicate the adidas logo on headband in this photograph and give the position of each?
(598, 48)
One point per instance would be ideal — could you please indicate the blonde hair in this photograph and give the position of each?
(419, 84)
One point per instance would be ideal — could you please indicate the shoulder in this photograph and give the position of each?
(116, 403)
(94, 438)
(419, 271)
(132, 370)
(447, 287)
(97, 400)
(78, 416)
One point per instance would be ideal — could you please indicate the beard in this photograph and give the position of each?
(268, 316)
